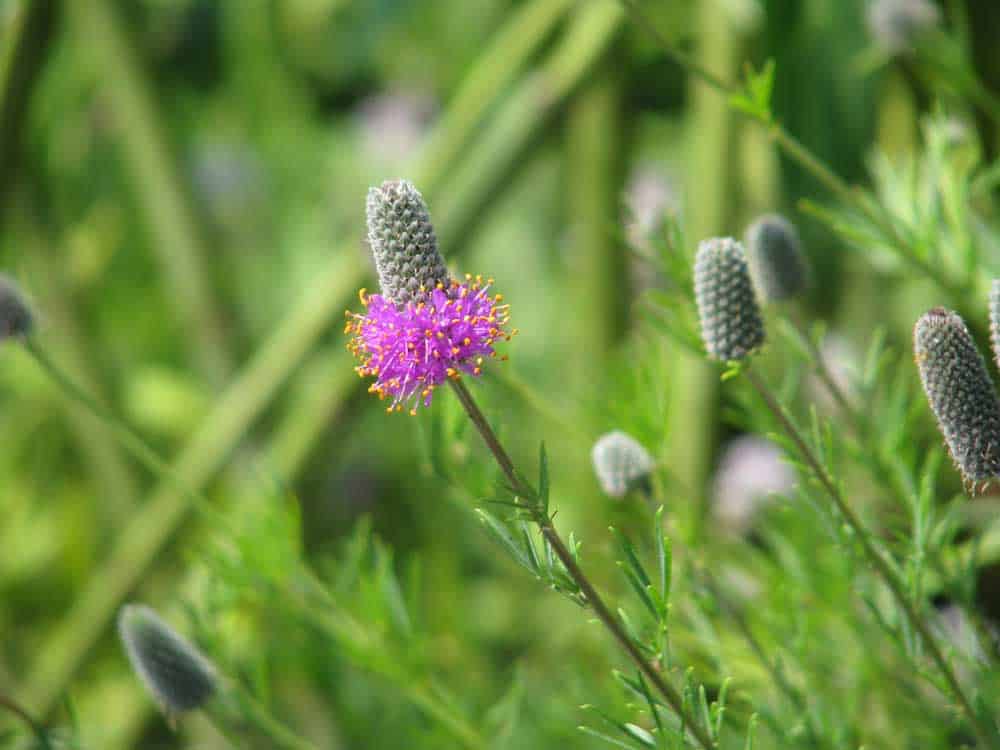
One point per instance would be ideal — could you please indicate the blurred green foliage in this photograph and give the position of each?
(182, 196)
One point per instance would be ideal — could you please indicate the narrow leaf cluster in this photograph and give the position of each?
(960, 393)
(403, 243)
(731, 324)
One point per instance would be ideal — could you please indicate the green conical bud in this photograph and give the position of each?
(960, 393)
(620, 463)
(16, 319)
(179, 677)
(731, 325)
(775, 256)
(403, 242)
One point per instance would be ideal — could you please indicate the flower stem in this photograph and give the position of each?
(597, 604)
(124, 434)
(877, 560)
(826, 375)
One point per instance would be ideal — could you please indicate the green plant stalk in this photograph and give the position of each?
(875, 558)
(593, 189)
(173, 229)
(282, 736)
(509, 50)
(124, 435)
(114, 478)
(594, 600)
(530, 107)
(26, 44)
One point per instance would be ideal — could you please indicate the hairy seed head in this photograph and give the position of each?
(403, 243)
(174, 671)
(775, 255)
(960, 393)
(620, 463)
(731, 325)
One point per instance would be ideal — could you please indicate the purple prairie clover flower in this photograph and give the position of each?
(411, 349)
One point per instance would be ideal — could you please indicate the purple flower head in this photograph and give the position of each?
(411, 349)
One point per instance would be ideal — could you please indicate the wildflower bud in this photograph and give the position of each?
(775, 256)
(620, 463)
(16, 319)
(960, 393)
(896, 24)
(731, 325)
(176, 673)
(403, 243)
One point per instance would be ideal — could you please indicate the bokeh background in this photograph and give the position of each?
(182, 190)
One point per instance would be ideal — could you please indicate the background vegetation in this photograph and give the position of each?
(182, 188)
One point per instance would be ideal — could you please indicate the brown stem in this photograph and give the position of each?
(876, 559)
(594, 599)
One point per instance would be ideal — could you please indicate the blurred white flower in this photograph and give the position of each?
(649, 196)
(896, 24)
(620, 462)
(393, 124)
(230, 180)
(750, 470)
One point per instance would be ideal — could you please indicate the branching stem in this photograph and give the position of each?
(882, 566)
(596, 603)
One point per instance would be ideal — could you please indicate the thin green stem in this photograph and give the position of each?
(127, 437)
(876, 559)
(826, 375)
(594, 600)
(791, 692)
(282, 736)
(8, 704)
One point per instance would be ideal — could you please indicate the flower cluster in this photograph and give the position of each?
(413, 348)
